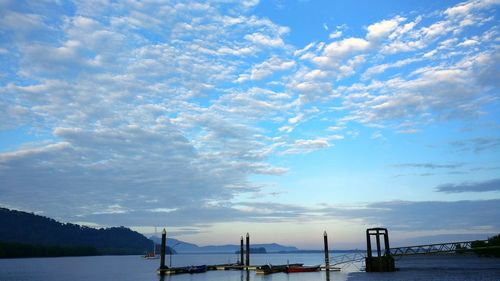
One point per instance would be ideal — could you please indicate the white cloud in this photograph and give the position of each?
(312, 90)
(338, 50)
(296, 119)
(302, 146)
(147, 103)
(379, 30)
(114, 92)
(261, 39)
(468, 7)
(300, 52)
(268, 67)
(468, 43)
(377, 69)
(455, 94)
(335, 35)
(466, 14)
(335, 128)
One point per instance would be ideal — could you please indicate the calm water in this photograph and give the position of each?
(133, 268)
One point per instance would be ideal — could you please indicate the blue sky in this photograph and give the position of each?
(279, 118)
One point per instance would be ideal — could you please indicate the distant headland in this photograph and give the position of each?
(28, 235)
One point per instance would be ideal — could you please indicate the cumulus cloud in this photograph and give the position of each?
(379, 30)
(267, 68)
(381, 68)
(172, 107)
(118, 98)
(335, 52)
(264, 40)
(335, 34)
(306, 146)
(455, 90)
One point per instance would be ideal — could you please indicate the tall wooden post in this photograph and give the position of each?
(241, 251)
(162, 269)
(247, 262)
(327, 258)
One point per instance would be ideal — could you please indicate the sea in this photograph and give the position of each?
(135, 268)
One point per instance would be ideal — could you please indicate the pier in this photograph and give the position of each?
(384, 260)
(379, 258)
(242, 264)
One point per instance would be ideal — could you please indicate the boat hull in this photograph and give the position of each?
(294, 269)
(269, 269)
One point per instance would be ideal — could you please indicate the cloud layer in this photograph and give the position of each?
(172, 108)
(482, 186)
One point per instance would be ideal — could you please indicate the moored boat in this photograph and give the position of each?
(292, 269)
(198, 269)
(269, 269)
(151, 256)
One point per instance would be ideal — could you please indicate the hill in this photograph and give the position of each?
(184, 247)
(29, 231)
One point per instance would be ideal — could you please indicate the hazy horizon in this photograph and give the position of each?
(283, 119)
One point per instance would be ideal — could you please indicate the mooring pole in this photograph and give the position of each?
(378, 243)
(386, 242)
(241, 251)
(368, 244)
(327, 258)
(163, 268)
(247, 262)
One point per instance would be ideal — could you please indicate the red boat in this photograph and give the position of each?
(292, 269)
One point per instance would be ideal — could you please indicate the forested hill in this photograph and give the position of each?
(26, 228)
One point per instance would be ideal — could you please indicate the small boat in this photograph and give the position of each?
(292, 269)
(269, 269)
(152, 255)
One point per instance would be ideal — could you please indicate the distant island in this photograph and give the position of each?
(259, 250)
(24, 234)
(190, 248)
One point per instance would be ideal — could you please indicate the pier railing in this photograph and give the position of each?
(347, 258)
(450, 247)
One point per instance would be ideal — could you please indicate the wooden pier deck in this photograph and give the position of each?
(227, 266)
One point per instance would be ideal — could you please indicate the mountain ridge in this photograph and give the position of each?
(30, 229)
(186, 247)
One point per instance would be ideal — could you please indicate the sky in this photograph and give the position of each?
(278, 118)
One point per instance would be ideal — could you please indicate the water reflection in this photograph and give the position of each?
(250, 275)
(245, 276)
